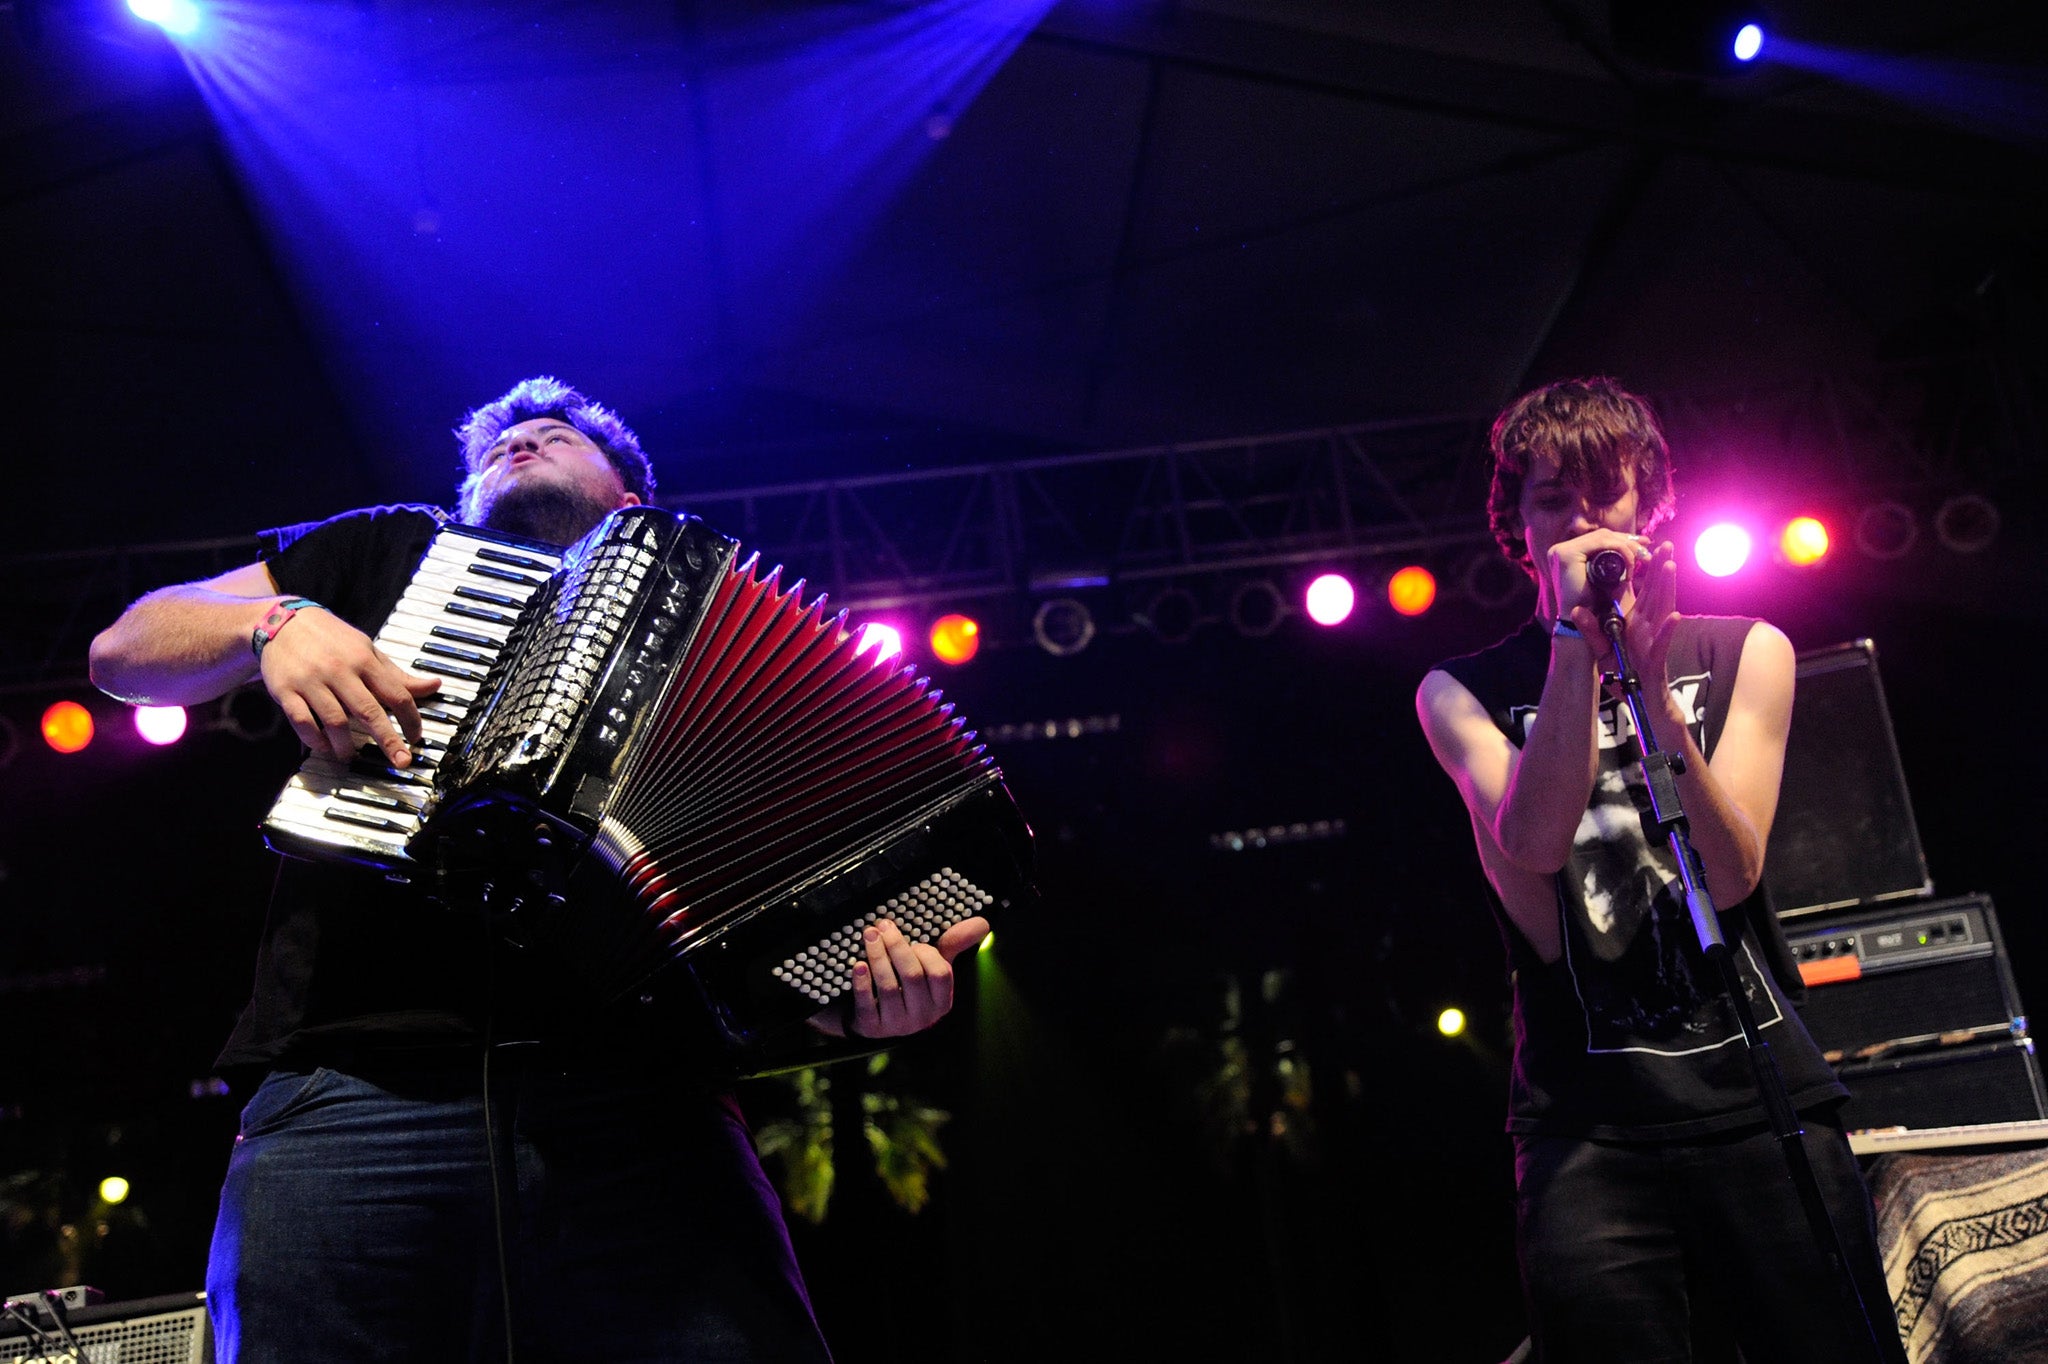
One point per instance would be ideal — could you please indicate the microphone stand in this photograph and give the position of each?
(1661, 771)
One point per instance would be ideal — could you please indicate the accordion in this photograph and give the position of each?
(665, 759)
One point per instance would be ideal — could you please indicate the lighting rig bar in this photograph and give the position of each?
(1060, 523)
(1014, 533)
(59, 601)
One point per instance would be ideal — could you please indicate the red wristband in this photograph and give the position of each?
(281, 613)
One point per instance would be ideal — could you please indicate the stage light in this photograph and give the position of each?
(1491, 581)
(955, 638)
(1966, 523)
(172, 16)
(1688, 37)
(1887, 530)
(113, 1189)
(1804, 541)
(1329, 599)
(67, 726)
(1412, 591)
(1256, 609)
(1721, 549)
(885, 640)
(1277, 835)
(1073, 727)
(1172, 616)
(1451, 1022)
(160, 724)
(1063, 626)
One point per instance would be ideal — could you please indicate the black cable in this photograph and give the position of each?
(39, 1338)
(490, 1128)
(54, 1305)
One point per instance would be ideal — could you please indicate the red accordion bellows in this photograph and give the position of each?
(777, 748)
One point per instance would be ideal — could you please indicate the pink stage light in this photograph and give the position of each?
(1330, 598)
(1721, 549)
(160, 724)
(885, 640)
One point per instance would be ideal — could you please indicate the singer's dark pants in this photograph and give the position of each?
(1648, 1252)
(358, 1223)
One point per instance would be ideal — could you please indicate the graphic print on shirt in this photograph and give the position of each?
(1629, 945)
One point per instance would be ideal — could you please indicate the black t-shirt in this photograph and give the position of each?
(347, 954)
(354, 963)
(1626, 1034)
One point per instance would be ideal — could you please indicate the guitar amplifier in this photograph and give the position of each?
(166, 1330)
(1844, 833)
(1915, 1007)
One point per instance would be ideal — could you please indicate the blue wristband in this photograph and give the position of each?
(1564, 629)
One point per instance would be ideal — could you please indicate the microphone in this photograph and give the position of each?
(1607, 571)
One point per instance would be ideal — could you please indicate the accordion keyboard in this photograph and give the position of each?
(451, 623)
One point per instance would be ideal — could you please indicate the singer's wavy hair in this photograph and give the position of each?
(547, 396)
(1595, 431)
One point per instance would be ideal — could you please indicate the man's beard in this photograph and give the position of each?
(542, 510)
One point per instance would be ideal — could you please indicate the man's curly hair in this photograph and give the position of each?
(1594, 430)
(547, 396)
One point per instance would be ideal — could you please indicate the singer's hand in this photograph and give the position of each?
(1650, 612)
(1571, 590)
(1652, 618)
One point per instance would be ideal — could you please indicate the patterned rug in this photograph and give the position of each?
(1965, 1241)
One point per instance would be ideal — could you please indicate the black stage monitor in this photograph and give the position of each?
(1844, 834)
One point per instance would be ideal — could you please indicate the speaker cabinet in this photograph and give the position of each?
(1915, 1007)
(1959, 1086)
(166, 1330)
(1844, 833)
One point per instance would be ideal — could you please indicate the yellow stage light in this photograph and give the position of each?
(955, 638)
(1804, 542)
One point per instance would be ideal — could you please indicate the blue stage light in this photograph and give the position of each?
(1749, 41)
(173, 16)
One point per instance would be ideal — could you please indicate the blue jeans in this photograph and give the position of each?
(358, 1222)
(1669, 1252)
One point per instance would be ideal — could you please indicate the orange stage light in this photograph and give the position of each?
(1412, 591)
(955, 638)
(67, 726)
(1805, 541)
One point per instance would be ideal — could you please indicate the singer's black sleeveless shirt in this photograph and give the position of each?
(1625, 1035)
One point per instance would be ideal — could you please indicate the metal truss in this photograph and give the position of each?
(1158, 513)
(57, 602)
(998, 538)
